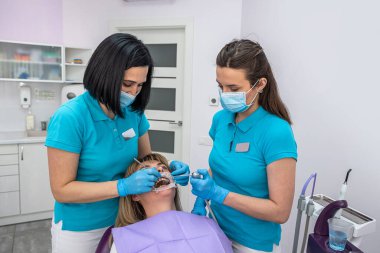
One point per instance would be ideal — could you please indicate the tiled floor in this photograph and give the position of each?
(30, 237)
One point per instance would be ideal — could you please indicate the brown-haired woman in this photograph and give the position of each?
(253, 159)
(153, 221)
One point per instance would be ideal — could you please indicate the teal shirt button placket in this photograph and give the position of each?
(117, 138)
(115, 133)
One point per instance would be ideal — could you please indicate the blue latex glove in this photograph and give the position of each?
(199, 207)
(179, 168)
(206, 188)
(139, 182)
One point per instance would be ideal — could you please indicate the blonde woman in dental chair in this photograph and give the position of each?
(154, 222)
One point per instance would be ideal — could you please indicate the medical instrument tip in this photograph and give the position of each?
(347, 174)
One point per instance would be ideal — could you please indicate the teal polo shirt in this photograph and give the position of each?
(238, 160)
(80, 126)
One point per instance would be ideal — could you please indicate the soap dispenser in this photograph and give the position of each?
(25, 95)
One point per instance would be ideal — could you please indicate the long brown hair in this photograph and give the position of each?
(249, 56)
(132, 211)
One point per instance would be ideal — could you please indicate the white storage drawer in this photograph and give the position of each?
(9, 204)
(8, 159)
(7, 170)
(8, 149)
(9, 183)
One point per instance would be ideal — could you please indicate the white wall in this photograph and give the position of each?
(325, 58)
(12, 116)
(216, 22)
(37, 21)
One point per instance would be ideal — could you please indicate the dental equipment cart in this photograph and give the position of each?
(318, 241)
(320, 207)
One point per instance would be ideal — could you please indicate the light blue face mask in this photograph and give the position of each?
(236, 101)
(126, 99)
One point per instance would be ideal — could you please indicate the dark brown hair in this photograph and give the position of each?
(249, 56)
(104, 74)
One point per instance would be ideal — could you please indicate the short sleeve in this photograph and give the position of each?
(65, 131)
(143, 125)
(214, 124)
(279, 143)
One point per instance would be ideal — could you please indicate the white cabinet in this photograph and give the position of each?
(25, 193)
(9, 181)
(42, 63)
(9, 204)
(35, 193)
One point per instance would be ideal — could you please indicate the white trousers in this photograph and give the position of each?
(238, 248)
(64, 241)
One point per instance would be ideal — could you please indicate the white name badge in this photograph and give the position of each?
(129, 134)
(242, 147)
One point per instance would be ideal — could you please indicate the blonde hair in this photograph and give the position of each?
(131, 211)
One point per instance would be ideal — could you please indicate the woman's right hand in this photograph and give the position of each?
(139, 182)
(206, 188)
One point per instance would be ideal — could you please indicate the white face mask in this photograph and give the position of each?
(126, 99)
(236, 101)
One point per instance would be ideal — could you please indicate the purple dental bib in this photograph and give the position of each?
(172, 231)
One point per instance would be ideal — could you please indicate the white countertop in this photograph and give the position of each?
(17, 137)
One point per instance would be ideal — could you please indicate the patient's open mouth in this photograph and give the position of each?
(162, 181)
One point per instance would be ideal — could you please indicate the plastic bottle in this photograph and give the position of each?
(29, 121)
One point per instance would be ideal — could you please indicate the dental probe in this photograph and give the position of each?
(138, 162)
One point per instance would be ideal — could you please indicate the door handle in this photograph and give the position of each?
(179, 123)
(22, 153)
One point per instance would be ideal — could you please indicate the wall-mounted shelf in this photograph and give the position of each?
(29, 62)
(76, 64)
(76, 60)
(31, 80)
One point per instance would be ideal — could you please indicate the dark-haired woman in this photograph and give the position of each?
(253, 159)
(92, 140)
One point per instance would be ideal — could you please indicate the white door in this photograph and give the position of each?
(35, 193)
(165, 108)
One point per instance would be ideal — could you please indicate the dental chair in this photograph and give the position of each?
(171, 231)
(104, 246)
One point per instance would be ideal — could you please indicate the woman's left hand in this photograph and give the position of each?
(181, 172)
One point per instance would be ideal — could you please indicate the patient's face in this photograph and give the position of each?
(152, 196)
